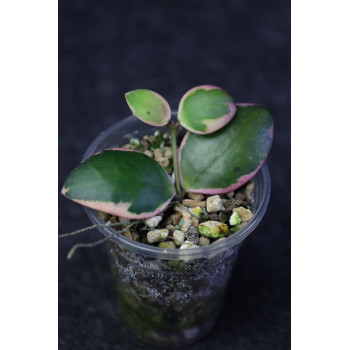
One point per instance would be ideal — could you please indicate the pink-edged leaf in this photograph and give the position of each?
(149, 107)
(205, 109)
(120, 182)
(223, 161)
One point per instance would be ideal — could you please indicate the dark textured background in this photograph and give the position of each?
(109, 47)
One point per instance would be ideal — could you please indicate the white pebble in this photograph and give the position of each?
(214, 204)
(179, 237)
(188, 244)
(157, 235)
(153, 221)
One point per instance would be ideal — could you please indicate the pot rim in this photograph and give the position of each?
(262, 182)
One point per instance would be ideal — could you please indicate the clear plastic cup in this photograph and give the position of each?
(171, 297)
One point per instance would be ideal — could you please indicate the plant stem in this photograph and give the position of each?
(173, 132)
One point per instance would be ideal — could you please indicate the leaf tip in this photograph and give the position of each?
(64, 191)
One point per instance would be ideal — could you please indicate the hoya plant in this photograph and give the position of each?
(225, 145)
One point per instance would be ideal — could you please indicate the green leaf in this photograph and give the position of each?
(205, 109)
(149, 107)
(225, 160)
(120, 182)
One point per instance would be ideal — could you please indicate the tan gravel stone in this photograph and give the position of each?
(179, 208)
(168, 152)
(187, 222)
(191, 203)
(148, 153)
(195, 221)
(158, 153)
(175, 218)
(245, 214)
(163, 161)
(195, 196)
(203, 241)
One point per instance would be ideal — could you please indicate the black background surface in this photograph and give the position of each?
(107, 48)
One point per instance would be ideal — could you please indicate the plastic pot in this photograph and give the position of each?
(171, 297)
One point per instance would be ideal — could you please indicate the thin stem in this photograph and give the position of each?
(89, 228)
(173, 132)
(96, 243)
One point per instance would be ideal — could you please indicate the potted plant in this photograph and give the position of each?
(174, 207)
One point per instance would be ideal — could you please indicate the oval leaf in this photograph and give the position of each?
(119, 182)
(225, 160)
(205, 109)
(149, 107)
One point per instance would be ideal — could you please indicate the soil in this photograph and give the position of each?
(191, 214)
